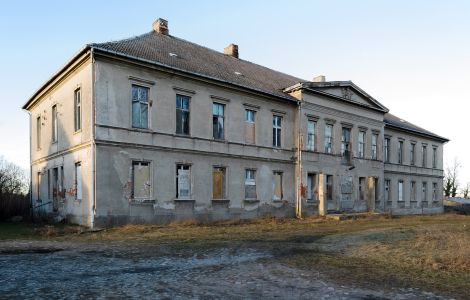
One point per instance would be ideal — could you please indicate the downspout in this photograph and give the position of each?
(298, 202)
(30, 169)
(93, 144)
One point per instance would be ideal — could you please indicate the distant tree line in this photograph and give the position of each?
(14, 187)
(452, 186)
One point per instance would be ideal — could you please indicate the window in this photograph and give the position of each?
(77, 111)
(434, 157)
(55, 125)
(413, 191)
(434, 191)
(49, 184)
(62, 183)
(78, 181)
(387, 150)
(140, 180)
(329, 187)
(277, 186)
(387, 190)
(250, 184)
(311, 135)
(400, 190)
(218, 117)
(345, 142)
(311, 186)
(425, 192)
(55, 187)
(182, 114)
(250, 126)
(39, 182)
(424, 151)
(400, 152)
(328, 138)
(277, 131)
(183, 181)
(38, 133)
(140, 106)
(218, 183)
(362, 188)
(373, 148)
(361, 144)
(412, 153)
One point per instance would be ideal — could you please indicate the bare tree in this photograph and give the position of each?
(14, 185)
(466, 191)
(451, 183)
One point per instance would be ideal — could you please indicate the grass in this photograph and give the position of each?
(428, 252)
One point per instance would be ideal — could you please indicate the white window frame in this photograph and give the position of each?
(311, 135)
(141, 103)
(55, 124)
(182, 110)
(77, 115)
(361, 144)
(400, 190)
(250, 180)
(277, 131)
(183, 166)
(373, 147)
(328, 139)
(219, 117)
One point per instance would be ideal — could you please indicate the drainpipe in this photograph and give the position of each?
(298, 202)
(93, 144)
(30, 169)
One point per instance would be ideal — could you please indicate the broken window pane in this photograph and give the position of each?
(250, 184)
(218, 183)
(183, 181)
(140, 106)
(182, 114)
(277, 186)
(218, 115)
(141, 180)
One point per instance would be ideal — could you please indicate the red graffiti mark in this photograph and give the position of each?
(71, 192)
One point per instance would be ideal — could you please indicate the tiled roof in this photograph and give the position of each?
(182, 55)
(395, 121)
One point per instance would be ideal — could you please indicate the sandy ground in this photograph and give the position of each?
(46, 269)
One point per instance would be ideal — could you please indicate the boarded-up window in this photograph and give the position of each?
(78, 181)
(249, 126)
(250, 184)
(329, 187)
(400, 190)
(141, 180)
(218, 183)
(183, 181)
(362, 188)
(387, 190)
(277, 186)
(311, 187)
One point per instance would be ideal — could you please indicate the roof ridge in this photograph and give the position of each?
(121, 40)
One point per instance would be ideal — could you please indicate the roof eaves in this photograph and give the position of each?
(422, 133)
(286, 97)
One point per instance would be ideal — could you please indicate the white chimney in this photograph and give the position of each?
(320, 78)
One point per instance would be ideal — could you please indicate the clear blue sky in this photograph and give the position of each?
(413, 56)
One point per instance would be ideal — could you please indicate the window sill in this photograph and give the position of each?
(146, 130)
(251, 200)
(278, 200)
(183, 135)
(53, 142)
(220, 200)
(311, 202)
(77, 132)
(184, 200)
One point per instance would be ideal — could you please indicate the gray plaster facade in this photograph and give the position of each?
(91, 163)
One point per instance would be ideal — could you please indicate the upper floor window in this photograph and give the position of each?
(38, 132)
(140, 107)
(55, 124)
(361, 144)
(182, 114)
(77, 115)
(424, 156)
(400, 152)
(328, 138)
(373, 149)
(250, 129)
(412, 153)
(434, 157)
(387, 150)
(277, 131)
(218, 121)
(311, 135)
(345, 142)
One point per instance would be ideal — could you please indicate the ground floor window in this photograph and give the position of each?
(413, 191)
(362, 188)
(434, 191)
(218, 183)
(140, 180)
(183, 181)
(250, 184)
(311, 186)
(277, 186)
(400, 190)
(329, 187)
(387, 190)
(424, 191)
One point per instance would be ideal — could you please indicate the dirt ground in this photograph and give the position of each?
(308, 259)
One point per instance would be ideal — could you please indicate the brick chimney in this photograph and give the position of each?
(320, 78)
(161, 26)
(231, 50)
